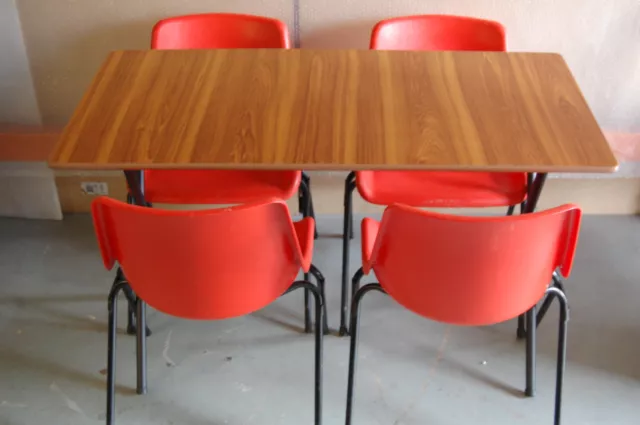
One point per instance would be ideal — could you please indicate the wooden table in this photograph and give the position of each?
(334, 110)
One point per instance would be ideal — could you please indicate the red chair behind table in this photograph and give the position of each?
(469, 271)
(223, 31)
(431, 189)
(224, 263)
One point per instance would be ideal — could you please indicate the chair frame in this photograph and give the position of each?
(554, 291)
(347, 220)
(141, 345)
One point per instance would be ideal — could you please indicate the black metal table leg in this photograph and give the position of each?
(349, 186)
(135, 181)
(535, 183)
(533, 192)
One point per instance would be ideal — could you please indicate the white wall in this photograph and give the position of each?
(17, 96)
(68, 39)
(600, 39)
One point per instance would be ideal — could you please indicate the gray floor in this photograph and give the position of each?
(258, 369)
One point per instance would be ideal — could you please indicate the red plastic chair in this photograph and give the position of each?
(207, 264)
(431, 189)
(223, 31)
(469, 270)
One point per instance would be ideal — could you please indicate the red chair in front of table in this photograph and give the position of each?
(223, 31)
(207, 264)
(470, 271)
(431, 189)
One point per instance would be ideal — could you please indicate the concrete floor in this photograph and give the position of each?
(258, 369)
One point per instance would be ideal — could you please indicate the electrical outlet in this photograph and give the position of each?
(95, 188)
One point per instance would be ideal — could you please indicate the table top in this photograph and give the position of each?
(334, 110)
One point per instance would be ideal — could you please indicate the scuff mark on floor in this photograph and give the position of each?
(6, 403)
(69, 402)
(243, 387)
(165, 351)
(232, 330)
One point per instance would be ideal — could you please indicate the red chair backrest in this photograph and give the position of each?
(207, 264)
(438, 32)
(472, 270)
(219, 31)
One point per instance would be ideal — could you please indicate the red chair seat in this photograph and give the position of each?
(219, 186)
(442, 189)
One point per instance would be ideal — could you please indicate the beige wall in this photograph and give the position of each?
(67, 39)
(600, 39)
(17, 96)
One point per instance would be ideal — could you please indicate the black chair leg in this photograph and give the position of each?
(521, 332)
(307, 307)
(351, 235)
(141, 347)
(351, 177)
(306, 201)
(111, 350)
(353, 351)
(131, 301)
(530, 389)
(320, 309)
(321, 285)
(132, 313)
(557, 282)
(131, 298)
(349, 186)
(511, 209)
(355, 284)
(131, 319)
(562, 349)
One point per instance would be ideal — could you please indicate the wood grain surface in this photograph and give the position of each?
(334, 110)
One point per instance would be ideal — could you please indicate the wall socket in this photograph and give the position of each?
(95, 188)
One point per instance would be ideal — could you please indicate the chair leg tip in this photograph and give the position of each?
(343, 331)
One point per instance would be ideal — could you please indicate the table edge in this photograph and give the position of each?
(605, 168)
